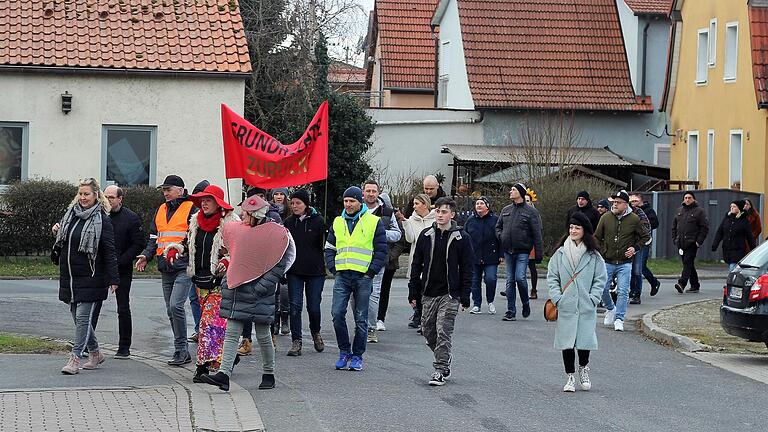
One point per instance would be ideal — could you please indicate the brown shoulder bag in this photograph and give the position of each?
(550, 310)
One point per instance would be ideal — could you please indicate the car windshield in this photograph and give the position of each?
(757, 258)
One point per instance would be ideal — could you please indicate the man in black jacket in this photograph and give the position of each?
(689, 229)
(441, 274)
(641, 259)
(583, 205)
(129, 242)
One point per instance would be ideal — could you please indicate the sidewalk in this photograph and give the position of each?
(143, 393)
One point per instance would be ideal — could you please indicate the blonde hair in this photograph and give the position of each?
(96, 189)
(424, 199)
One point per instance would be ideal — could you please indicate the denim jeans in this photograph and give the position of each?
(194, 304)
(636, 284)
(732, 266)
(231, 339)
(85, 334)
(298, 286)
(176, 292)
(373, 301)
(484, 273)
(517, 264)
(623, 275)
(358, 286)
(124, 323)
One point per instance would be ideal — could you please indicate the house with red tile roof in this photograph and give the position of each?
(718, 95)
(401, 54)
(510, 59)
(126, 92)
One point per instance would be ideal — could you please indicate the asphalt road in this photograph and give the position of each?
(505, 376)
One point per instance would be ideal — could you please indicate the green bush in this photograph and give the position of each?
(144, 201)
(30, 208)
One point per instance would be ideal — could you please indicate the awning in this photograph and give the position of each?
(520, 172)
(588, 156)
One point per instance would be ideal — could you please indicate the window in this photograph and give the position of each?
(129, 155)
(661, 155)
(702, 59)
(13, 152)
(710, 159)
(444, 65)
(735, 159)
(693, 155)
(731, 51)
(712, 52)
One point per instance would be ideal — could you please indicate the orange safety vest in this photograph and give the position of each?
(174, 230)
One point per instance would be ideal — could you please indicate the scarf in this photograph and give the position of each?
(91, 234)
(574, 252)
(208, 223)
(352, 219)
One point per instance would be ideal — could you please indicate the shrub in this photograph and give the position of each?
(144, 200)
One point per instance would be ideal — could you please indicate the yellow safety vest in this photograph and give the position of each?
(355, 251)
(174, 230)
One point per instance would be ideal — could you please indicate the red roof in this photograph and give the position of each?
(169, 35)
(654, 7)
(406, 46)
(343, 73)
(758, 29)
(547, 54)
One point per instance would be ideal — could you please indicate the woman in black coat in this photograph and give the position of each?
(736, 235)
(85, 242)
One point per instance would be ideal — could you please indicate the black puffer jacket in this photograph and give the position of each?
(736, 235)
(255, 301)
(590, 212)
(78, 283)
(690, 226)
(519, 229)
(129, 238)
(309, 235)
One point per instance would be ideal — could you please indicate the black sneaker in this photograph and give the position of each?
(692, 290)
(679, 288)
(123, 354)
(446, 373)
(193, 338)
(180, 358)
(437, 379)
(220, 380)
(655, 288)
(509, 316)
(634, 300)
(199, 372)
(267, 382)
(503, 293)
(526, 310)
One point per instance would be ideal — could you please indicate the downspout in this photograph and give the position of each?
(645, 54)
(437, 59)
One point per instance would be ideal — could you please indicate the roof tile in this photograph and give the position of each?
(129, 34)
(656, 7)
(547, 54)
(758, 26)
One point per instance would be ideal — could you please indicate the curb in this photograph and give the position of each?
(666, 337)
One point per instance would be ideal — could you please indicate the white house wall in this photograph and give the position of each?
(459, 96)
(407, 142)
(185, 112)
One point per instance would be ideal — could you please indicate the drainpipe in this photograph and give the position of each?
(645, 54)
(437, 59)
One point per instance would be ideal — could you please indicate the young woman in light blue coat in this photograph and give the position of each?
(576, 277)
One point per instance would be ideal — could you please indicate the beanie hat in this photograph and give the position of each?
(622, 195)
(354, 192)
(281, 190)
(583, 194)
(301, 194)
(740, 204)
(521, 189)
(689, 193)
(578, 218)
(604, 203)
(485, 200)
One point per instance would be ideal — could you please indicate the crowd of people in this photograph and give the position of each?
(249, 273)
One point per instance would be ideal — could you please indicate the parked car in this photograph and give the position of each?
(744, 312)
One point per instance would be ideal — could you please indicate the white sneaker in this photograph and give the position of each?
(610, 317)
(618, 325)
(586, 384)
(475, 310)
(491, 309)
(380, 326)
(570, 385)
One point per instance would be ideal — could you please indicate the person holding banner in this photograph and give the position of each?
(282, 324)
(355, 252)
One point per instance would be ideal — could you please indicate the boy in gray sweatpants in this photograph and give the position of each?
(441, 275)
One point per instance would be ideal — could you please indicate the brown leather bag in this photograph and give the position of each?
(550, 310)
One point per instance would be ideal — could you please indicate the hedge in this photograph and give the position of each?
(28, 209)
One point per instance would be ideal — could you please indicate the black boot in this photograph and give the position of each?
(200, 371)
(237, 359)
(220, 380)
(267, 382)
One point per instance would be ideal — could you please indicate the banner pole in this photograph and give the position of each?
(229, 198)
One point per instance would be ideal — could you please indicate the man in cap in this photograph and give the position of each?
(355, 251)
(620, 235)
(170, 225)
(519, 231)
(603, 206)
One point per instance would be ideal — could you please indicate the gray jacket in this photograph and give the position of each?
(255, 301)
(519, 229)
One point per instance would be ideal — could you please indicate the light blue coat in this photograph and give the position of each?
(577, 307)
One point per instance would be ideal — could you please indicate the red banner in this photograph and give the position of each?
(256, 157)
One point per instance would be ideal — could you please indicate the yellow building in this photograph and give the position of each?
(718, 93)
